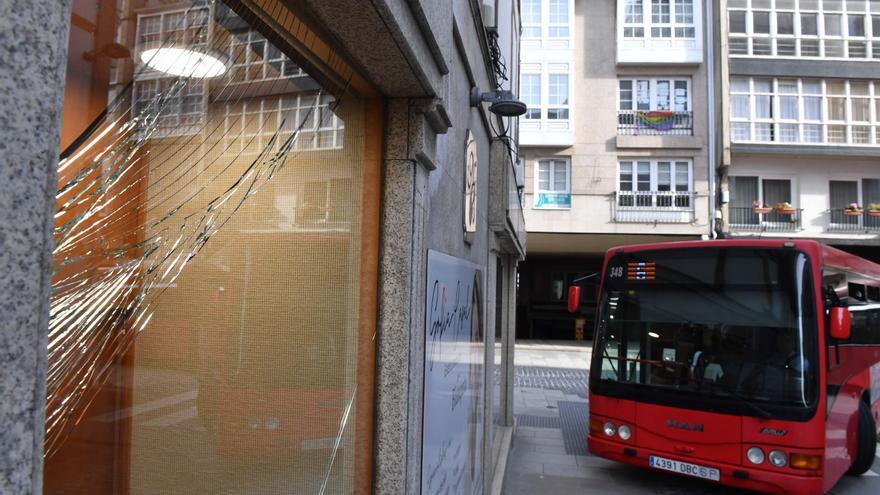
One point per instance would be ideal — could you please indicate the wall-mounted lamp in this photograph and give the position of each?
(503, 102)
(184, 62)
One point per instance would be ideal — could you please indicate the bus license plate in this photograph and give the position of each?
(685, 468)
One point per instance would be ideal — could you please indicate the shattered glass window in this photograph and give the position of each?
(206, 330)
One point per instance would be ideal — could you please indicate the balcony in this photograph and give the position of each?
(843, 221)
(654, 207)
(744, 219)
(654, 123)
(506, 217)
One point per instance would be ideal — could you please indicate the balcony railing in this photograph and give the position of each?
(745, 219)
(840, 220)
(654, 123)
(654, 207)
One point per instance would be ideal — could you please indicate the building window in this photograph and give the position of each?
(655, 184)
(654, 107)
(183, 109)
(806, 111)
(546, 22)
(805, 28)
(553, 183)
(558, 25)
(307, 119)
(530, 90)
(546, 91)
(254, 59)
(557, 97)
(748, 194)
(844, 195)
(666, 19)
(531, 19)
(634, 19)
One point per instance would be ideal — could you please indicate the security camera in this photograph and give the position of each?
(502, 101)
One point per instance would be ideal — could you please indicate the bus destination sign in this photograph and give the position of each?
(641, 270)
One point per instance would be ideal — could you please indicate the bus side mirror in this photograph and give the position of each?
(839, 319)
(574, 298)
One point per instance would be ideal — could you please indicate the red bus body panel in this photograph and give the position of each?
(725, 438)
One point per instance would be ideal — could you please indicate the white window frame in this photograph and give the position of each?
(653, 163)
(533, 70)
(253, 62)
(761, 178)
(858, 179)
(526, 23)
(252, 114)
(554, 162)
(190, 14)
(647, 25)
(545, 40)
(775, 121)
(652, 89)
(173, 120)
(545, 70)
(743, 44)
(793, 193)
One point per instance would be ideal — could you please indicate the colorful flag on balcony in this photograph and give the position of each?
(661, 120)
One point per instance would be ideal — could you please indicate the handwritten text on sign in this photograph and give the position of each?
(452, 436)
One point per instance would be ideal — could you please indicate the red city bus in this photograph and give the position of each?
(752, 363)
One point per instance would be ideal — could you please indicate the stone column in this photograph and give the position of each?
(410, 142)
(33, 59)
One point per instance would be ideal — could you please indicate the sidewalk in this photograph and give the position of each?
(549, 452)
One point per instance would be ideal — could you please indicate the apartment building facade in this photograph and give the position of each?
(801, 120)
(615, 146)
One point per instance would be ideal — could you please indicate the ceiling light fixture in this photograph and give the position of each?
(184, 62)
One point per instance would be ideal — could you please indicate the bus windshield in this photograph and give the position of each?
(723, 329)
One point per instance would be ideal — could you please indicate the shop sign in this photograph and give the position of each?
(470, 184)
(553, 200)
(452, 433)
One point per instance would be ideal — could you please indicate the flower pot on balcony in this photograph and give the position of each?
(762, 211)
(853, 213)
(874, 213)
(786, 211)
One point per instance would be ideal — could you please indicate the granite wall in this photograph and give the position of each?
(33, 54)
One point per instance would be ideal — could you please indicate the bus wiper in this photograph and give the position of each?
(760, 411)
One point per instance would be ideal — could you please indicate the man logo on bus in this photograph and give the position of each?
(673, 423)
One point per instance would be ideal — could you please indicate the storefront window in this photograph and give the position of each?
(208, 331)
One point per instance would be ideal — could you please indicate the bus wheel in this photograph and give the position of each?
(865, 445)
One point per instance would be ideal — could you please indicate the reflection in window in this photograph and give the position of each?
(218, 221)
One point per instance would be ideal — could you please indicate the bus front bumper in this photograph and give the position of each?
(731, 474)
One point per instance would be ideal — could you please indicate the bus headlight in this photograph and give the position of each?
(777, 458)
(755, 455)
(624, 432)
(609, 429)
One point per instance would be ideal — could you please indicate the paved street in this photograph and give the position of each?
(549, 448)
